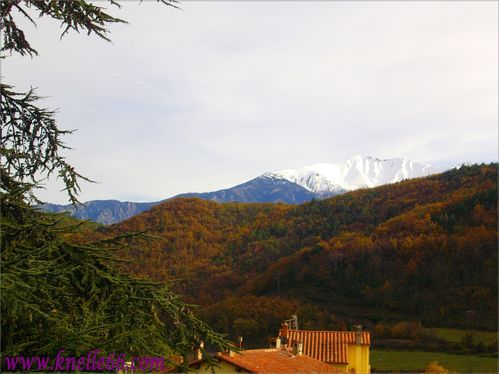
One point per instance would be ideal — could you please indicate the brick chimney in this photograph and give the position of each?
(283, 334)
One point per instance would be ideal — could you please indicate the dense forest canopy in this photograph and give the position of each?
(423, 249)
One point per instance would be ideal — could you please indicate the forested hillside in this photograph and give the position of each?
(422, 249)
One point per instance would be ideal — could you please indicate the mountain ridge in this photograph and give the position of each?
(261, 189)
(357, 172)
(290, 186)
(106, 212)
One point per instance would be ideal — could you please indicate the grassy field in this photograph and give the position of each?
(456, 335)
(382, 361)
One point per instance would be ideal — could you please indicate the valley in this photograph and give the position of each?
(420, 252)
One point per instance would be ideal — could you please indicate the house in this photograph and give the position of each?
(297, 351)
(270, 360)
(346, 350)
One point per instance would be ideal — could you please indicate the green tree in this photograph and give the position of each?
(57, 293)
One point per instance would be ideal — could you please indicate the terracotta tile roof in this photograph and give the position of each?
(327, 346)
(276, 361)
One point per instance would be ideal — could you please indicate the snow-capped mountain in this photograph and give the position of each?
(291, 186)
(358, 172)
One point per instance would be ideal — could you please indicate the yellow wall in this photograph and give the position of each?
(341, 367)
(358, 358)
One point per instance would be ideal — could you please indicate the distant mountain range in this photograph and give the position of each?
(291, 186)
(262, 189)
(358, 172)
(106, 212)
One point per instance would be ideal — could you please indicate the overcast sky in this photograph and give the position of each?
(217, 93)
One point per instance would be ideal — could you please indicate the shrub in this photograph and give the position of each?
(434, 367)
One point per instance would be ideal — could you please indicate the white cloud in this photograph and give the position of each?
(213, 95)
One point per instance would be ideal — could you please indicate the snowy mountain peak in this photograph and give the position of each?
(358, 172)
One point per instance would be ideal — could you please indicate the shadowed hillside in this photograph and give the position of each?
(424, 248)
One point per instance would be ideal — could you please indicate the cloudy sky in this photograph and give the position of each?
(217, 93)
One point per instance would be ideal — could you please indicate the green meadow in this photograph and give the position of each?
(414, 361)
(457, 335)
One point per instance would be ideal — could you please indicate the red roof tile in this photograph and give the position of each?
(276, 361)
(327, 346)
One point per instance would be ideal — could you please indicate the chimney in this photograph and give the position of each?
(278, 343)
(230, 352)
(199, 352)
(284, 330)
(297, 348)
(358, 334)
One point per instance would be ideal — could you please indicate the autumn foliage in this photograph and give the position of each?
(425, 248)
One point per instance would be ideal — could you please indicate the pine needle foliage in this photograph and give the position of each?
(57, 292)
(76, 15)
(30, 141)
